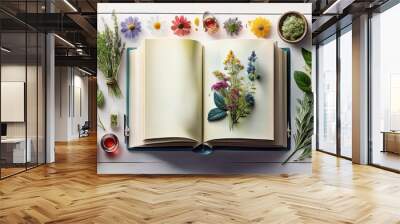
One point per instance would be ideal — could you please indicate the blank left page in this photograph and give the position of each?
(173, 89)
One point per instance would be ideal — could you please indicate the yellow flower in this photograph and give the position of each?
(219, 75)
(229, 58)
(196, 21)
(157, 25)
(260, 27)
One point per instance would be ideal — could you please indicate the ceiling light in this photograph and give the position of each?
(84, 71)
(5, 50)
(80, 51)
(70, 5)
(64, 40)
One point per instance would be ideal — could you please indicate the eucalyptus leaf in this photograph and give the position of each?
(219, 101)
(216, 114)
(303, 81)
(307, 57)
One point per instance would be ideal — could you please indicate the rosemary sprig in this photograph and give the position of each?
(305, 126)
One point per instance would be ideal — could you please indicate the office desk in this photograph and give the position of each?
(16, 148)
(391, 141)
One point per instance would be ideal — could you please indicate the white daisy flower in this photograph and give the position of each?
(156, 25)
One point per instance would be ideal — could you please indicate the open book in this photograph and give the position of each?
(219, 93)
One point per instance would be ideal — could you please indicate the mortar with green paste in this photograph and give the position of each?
(292, 27)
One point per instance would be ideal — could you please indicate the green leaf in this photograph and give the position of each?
(303, 81)
(100, 99)
(307, 57)
(219, 101)
(216, 114)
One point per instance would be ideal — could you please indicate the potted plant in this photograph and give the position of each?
(292, 27)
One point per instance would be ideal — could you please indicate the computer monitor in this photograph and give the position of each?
(3, 129)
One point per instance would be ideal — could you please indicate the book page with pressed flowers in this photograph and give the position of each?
(172, 89)
(238, 89)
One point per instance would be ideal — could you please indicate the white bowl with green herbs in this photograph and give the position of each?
(292, 27)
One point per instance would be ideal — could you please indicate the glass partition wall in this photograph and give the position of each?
(22, 77)
(334, 94)
(326, 111)
(384, 85)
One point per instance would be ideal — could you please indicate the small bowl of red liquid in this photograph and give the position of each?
(109, 143)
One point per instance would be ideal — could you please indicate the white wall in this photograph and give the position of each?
(33, 125)
(61, 103)
(17, 73)
(69, 82)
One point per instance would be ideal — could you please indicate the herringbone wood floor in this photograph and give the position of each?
(69, 191)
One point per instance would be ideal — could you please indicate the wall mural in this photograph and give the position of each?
(204, 85)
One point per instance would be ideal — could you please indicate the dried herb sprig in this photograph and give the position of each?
(304, 122)
(101, 125)
(109, 54)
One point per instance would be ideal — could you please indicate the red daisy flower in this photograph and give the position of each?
(181, 26)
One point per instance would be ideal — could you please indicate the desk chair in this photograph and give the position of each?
(84, 130)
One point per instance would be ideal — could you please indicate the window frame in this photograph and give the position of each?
(381, 9)
(334, 37)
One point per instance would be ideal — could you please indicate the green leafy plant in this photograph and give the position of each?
(114, 120)
(293, 27)
(233, 92)
(100, 99)
(109, 54)
(304, 116)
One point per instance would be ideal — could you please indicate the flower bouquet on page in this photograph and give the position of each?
(233, 91)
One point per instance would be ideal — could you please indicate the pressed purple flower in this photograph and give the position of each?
(251, 67)
(131, 27)
(220, 85)
(253, 56)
